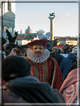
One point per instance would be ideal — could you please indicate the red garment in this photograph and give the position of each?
(58, 46)
(63, 51)
(58, 76)
(3, 83)
(47, 71)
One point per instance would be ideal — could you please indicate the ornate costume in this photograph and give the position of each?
(44, 67)
(69, 88)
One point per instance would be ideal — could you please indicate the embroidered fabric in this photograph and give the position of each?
(71, 93)
(40, 59)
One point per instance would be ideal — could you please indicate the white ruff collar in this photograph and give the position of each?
(40, 59)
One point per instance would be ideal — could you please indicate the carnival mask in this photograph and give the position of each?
(38, 48)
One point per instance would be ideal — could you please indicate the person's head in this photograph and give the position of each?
(55, 49)
(16, 51)
(48, 46)
(38, 46)
(75, 49)
(65, 46)
(14, 67)
(4, 45)
(61, 50)
(38, 50)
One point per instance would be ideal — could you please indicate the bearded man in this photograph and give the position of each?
(43, 66)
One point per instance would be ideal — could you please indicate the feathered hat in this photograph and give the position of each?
(10, 38)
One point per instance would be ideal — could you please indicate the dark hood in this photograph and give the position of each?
(72, 56)
(48, 46)
(33, 91)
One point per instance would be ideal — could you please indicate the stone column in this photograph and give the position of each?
(51, 17)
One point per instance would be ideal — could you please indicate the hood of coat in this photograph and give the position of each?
(32, 90)
(72, 56)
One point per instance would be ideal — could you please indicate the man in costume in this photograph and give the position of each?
(43, 66)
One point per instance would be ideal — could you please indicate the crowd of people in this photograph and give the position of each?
(41, 74)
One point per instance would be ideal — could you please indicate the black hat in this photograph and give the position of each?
(3, 41)
(14, 67)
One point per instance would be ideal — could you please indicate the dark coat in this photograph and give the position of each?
(57, 56)
(29, 90)
(74, 65)
(66, 64)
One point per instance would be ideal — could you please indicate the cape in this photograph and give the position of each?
(57, 80)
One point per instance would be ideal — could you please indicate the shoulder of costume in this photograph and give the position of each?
(26, 58)
(29, 60)
(52, 59)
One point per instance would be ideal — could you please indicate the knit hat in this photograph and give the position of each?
(74, 50)
(3, 40)
(42, 42)
(14, 67)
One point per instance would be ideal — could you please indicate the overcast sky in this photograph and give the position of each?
(36, 16)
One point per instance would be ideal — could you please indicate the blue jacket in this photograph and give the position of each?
(66, 64)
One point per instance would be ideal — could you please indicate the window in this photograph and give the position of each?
(10, 29)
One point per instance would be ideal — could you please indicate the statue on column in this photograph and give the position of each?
(9, 5)
(52, 15)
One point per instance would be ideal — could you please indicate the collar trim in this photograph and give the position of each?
(42, 58)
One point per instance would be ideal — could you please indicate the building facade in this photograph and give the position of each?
(24, 38)
(8, 18)
(67, 40)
